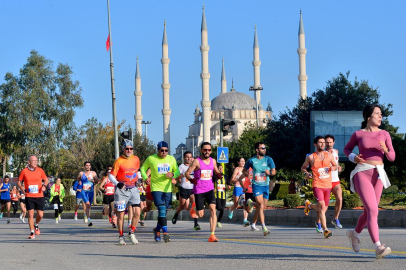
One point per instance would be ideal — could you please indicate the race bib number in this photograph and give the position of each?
(14, 196)
(110, 190)
(260, 177)
(87, 187)
(323, 173)
(205, 175)
(120, 205)
(33, 189)
(164, 168)
(221, 187)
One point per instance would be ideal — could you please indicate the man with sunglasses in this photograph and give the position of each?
(204, 168)
(262, 167)
(124, 176)
(164, 170)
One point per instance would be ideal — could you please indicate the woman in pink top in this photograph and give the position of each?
(369, 177)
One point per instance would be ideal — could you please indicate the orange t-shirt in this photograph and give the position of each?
(33, 182)
(322, 171)
(14, 195)
(125, 170)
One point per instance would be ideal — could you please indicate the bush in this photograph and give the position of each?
(310, 196)
(99, 199)
(280, 191)
(175, 205)
(390, 190)
(67, 183)
(292, 200)
(351, 201)
(69, 202)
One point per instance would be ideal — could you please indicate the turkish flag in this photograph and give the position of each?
(108, 43)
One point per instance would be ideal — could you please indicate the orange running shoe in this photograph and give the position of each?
(37, 231)
(192, 212)
(306, 209)
(213, 238)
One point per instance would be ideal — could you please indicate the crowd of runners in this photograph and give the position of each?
(131, 187)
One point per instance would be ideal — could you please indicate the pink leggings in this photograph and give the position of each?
(369, 189)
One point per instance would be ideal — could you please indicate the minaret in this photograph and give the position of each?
(205, 76)
(138, 94)
(302, 60)
(256, 64)
(223, 80)
(166, 111)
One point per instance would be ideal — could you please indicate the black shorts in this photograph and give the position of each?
(185, 193)
(143, 197)
(208, 196)
(220, 204)
(22, 200)
(249, 196)
(3, 202)
(35, 203)
(107, 199)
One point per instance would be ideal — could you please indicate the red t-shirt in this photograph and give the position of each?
(33, 182)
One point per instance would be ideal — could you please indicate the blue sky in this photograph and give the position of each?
(365, 37)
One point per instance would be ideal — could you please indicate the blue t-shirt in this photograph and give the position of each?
(76, 186)
(259, 166)
(5, 195)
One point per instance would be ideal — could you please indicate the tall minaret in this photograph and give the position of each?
(166, 111)
(302, 60)
(205, 76)
(256, 64)
(223, 80)
(138, 94)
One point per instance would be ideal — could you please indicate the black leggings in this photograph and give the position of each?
(58, 207)
(15, 207)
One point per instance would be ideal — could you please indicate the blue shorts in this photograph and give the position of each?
(237, 191)
(87, 196)
(162, 198)
(260, 190)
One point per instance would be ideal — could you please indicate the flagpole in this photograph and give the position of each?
(113, 93)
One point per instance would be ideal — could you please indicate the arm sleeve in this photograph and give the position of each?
(113, 179)
(351, 144)
(175, 170)
(391, 154)
(144, 169)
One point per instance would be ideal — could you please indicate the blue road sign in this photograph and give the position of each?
(222, 155)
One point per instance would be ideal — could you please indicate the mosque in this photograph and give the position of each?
(231, 104)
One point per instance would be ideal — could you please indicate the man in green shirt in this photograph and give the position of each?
(164, 170)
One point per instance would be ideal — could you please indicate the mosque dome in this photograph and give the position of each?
(182, 145)
(233, 100)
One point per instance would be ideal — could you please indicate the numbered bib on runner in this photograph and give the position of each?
(164, 168)
(33, 189)
(87, 186)
(221, 187)
(205, 175)
(109, 190)
(260, 177)
(120, 205)
(323, 173)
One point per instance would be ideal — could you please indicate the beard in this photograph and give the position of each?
(261, 154)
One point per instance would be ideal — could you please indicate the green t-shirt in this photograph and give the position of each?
(159, 168)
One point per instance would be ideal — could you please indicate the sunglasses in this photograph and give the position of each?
(129, 148)
(206, 150)
(262, 148)
(164, 150)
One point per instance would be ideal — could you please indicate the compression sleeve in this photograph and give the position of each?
(113, 179)
(351, 144)
(391, 154)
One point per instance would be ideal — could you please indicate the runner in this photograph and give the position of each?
(22, 206)
(321, 163)
(249, 197)
(57, 195)
(369, 177)
(5, 197)
(186, 195)
(143, 198)
(148, 196)
(78, 187)
(87, 179)
(108, 198)
(124, 176)
(204, 167)
(15, 197)
(220, 186)
(163, 170)
(262, 167)
(238, 192)
(35, 181)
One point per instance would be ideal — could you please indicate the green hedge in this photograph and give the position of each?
(351, 201)
(280, 191)
(292, 201)
(67, 183)
(69, 202)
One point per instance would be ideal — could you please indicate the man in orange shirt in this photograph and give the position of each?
(321, 164)
(35, 181)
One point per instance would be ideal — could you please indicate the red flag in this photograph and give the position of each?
(108, 43)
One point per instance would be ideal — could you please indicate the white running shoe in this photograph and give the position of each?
(85, 220)
(24, 221)
(59, 217)
(241, 200)
(121, 241)
(382, 251)
(56, 221)
(21, 218)
(254, 228)
(75, 217)
(132, 238)
(354, 241)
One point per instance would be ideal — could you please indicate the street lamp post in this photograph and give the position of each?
(183, 148)
(145, 123)
(259, 88)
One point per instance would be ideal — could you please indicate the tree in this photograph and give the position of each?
(37, 110)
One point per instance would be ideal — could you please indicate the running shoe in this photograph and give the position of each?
(197, 227)
(132, 238)
(56, 221)
(85, 219)
(306, 209)
(142, 223)
(37, 231)
(327, 234)
(354, 241)
(254, 228)
(219, 225)
(113, 225)
(230, 214)
(213, 238)
(318, 227)
(246, 223)
(21, 218)
(31, 236)
(90, 224)
(1, 215)
(174, 220)
(250, 205)
(121, 241)
(8, 221)
(266, 232)
(382, 251)
(59, 217)
(157, 235)
(24, 221)
(192, 212)
(76, 217)
(167, 238)
(109, 219)
(241, 200)
(337, 223)
(115, 219)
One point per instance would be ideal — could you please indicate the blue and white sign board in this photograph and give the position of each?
(222, 155)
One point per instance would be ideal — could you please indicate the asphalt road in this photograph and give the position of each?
(72, 245)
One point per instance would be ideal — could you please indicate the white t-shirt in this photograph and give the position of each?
(334, 174)
(185, 183)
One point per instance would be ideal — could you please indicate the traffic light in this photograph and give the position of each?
(225, 126)
(127, 134)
